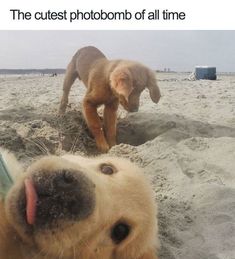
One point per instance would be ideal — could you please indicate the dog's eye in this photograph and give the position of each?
(119, 232)
(107, 169)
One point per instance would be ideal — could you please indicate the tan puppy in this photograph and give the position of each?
(108, 82)
(72, 207)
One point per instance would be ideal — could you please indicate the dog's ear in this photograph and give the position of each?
(154, 91)
(121, 82)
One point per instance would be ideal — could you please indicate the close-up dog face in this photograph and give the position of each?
(129, 80)
(76, 207)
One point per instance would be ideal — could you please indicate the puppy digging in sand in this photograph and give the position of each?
(108, 82)
(73, 207)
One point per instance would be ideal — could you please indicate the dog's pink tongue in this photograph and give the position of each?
(31, 201)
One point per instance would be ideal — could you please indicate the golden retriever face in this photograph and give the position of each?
(75, 207)
(129, 80)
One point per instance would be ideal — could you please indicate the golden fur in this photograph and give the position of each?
(108, 82)
(125, 196)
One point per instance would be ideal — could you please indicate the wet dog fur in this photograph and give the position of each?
(119, 223)
(108, 82)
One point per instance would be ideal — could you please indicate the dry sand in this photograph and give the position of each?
(186, 144)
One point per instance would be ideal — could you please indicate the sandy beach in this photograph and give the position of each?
(185, 145)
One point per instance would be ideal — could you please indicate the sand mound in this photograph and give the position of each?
(195, 193)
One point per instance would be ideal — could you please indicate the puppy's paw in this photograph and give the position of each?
(61, 110)
(103, 147)
(112, 142)
(63, 106)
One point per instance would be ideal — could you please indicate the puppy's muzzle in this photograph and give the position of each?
(66, 195)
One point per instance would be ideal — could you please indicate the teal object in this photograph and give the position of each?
(205, 72)
(5, 179)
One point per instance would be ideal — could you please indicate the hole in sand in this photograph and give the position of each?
(138, 128)
(32, 134)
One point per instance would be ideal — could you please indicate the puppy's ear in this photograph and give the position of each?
(149, 255)
(153, 87)
(121, 82)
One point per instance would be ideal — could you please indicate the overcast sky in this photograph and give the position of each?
(177, 50)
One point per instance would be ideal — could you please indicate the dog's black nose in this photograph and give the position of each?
(65, 181)
(63, 195)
